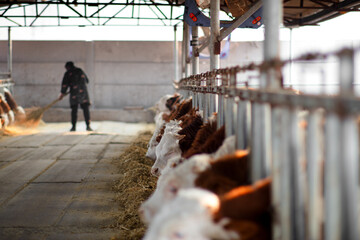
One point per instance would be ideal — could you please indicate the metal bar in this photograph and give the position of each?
(58, 14)
(298, 175)
(275, 171)
(195, 54)
(176, 58)
(226, 31)
(221, 110)
(149, 6)
(215, 33)
(76, 11)
(257, 143)
(229, 117)
(60, 2)
(346, 72)
(161, 11)
(349, 174)
(332, 184)
(241, 125)
(201, 104)
(290, 56)
(76, 17)
(183, 55)
(115, 14)
(272, 20)
(287, 191)
(85, 8)
(24, 16)
(186, 50)
(10, 55)
(205, 44)
(39, 15)
(343, 104)
(206, 105)
(98, 14)
(9, 7)
(36, 9)
(314, 158)
(99, 9)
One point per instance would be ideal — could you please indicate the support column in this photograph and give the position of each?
(349, 142)
(195, 46)
(272, 18)
(271, 146)
(195, 59)
(176, 60)
(186, 50)
(9, 53)
(183, 53)
(215, 46)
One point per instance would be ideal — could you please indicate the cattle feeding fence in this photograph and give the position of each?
(307, 143)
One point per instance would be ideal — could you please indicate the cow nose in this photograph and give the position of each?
(155, 172)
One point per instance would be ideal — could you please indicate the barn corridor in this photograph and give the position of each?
(56, 184)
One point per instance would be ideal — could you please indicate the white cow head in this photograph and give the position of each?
(189, 217)
(160, 106)
(168, 146)
(171, 181)
(227, 147)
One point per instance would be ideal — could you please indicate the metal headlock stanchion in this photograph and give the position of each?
(314, 143)
(349, 142)
(229, 114)
(195, 60)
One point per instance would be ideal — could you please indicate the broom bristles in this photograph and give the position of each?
(34, 115)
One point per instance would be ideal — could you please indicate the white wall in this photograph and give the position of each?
(121, 74)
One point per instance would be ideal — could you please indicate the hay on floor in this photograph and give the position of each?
(134, 187)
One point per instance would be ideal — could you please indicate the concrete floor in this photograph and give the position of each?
(57, 185)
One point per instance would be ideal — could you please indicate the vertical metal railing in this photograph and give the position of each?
(229, 106)
(349, 142)
(309, 148)
(314, 151)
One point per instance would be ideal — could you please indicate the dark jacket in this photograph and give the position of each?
(76, 80)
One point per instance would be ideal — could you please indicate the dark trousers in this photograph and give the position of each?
(74, 110)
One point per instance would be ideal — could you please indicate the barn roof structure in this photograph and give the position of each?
(32, 13)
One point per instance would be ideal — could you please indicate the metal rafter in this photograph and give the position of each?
(166, 12)
(38, 15)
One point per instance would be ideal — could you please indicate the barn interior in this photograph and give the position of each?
(283, 101)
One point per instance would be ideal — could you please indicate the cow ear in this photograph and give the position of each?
(198, 168)
(180, 137)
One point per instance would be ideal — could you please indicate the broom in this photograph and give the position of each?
(35, 115)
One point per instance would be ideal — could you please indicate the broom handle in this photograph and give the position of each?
(53, 102)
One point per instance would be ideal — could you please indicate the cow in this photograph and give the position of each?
(193, 173)
(189, 216)
(168, 147)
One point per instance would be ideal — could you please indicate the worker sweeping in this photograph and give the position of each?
(76, 80)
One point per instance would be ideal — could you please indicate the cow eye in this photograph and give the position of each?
(173, 190)
(178, 235)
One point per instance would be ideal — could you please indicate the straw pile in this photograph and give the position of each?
(135, 186)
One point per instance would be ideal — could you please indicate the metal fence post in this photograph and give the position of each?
(314, 158)
(276, 170)
(241, 126)
(9, 53)
(349, 139)
(332, 184)
(297, 160)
